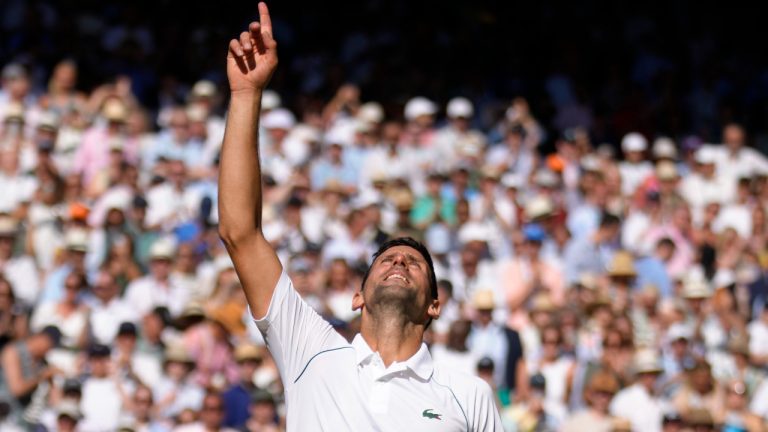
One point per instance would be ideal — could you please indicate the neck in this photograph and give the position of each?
(393, 336)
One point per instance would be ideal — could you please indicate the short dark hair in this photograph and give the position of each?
(609, 220)
(414, 244)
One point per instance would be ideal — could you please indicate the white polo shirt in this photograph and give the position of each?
(332, 385)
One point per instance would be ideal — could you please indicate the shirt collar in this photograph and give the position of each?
(419, 363)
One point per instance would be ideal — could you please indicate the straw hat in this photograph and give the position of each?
(622, 265)
(542, 303)
(647, 361)
(248, 352)
(114, 110)
(696, 288)
(8, 226)
(483, 300)
(177, 353)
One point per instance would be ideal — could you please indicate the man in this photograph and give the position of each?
(210, 416)
(20, 270)
(384, 379)
(592, 254)
(159, 287)
(639, 402)
(237, 398)
(602, 386)
(103, 391)
(23, 368)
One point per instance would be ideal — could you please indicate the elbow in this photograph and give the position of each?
(233, 236)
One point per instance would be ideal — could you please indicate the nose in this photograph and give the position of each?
(399, 259)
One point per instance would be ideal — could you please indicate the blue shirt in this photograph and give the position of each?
(651, 271)
(236, 402)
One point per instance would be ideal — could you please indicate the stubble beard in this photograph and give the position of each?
(391, 303)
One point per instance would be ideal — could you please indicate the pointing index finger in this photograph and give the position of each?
(264, 19)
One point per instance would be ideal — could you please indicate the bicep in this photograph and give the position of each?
(258, 268)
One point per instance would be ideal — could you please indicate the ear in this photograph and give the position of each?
(358, 301)
(434, 309)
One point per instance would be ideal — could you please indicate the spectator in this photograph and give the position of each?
(599, 393)
(24, 369)
(639, 402)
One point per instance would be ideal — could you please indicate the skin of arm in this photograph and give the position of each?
(251, 60)
(12, 369)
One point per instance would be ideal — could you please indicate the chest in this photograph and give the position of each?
(337, 393)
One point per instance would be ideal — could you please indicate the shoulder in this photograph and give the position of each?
(464, 386)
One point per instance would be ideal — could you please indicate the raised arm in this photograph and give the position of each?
(251, 60)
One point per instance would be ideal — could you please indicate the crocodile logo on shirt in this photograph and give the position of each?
(431, 415)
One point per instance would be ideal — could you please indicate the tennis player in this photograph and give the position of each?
(385, 379)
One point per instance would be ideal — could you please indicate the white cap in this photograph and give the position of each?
(366, 198)
(473, 231)
(665, 148)
(634, 142)
(419, 106)
(724, 278)
(590, 163)
(706, 155)
(279, 118)
(305, 133)
(163, 248)
(679, 331)
(538, 206)
(342, 133)
(204, 88)
(510, 180)
(48, 120)
(270, 100)
(117, 201)
(545, 178)
(76, 239)
(371, 112)
(460, 107)
(196, 113)
(14, 110)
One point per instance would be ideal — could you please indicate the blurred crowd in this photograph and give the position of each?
(594, 285)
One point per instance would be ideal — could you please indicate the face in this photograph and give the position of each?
(600, 400)
(212, 411)
(6, 295)
(142, 403)
(161, 268)
(399, 281)
(99, 366)
(6, 246)
(733, 137)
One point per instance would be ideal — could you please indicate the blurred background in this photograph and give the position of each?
(590, 179)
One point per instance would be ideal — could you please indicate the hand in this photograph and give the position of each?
(252, 59)
(49, 372)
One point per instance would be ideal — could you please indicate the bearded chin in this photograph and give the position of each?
(395, 301)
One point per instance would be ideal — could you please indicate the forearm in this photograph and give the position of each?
(240, 171)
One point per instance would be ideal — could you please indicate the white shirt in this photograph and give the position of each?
(22, 273)
(632, 175)
(333, 385)
(101, 405)
(168, 206)
(640, 408)
(146, 293)
(758, 337)
(198, 427)
(106, 318)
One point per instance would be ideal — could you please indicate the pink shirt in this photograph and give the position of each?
(515, 279)
(211, 357)
(93, 154)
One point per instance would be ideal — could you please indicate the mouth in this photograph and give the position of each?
(397, 276)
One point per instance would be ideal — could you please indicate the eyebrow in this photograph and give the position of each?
(408, 255)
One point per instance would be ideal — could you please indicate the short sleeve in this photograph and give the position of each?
(294, 332)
